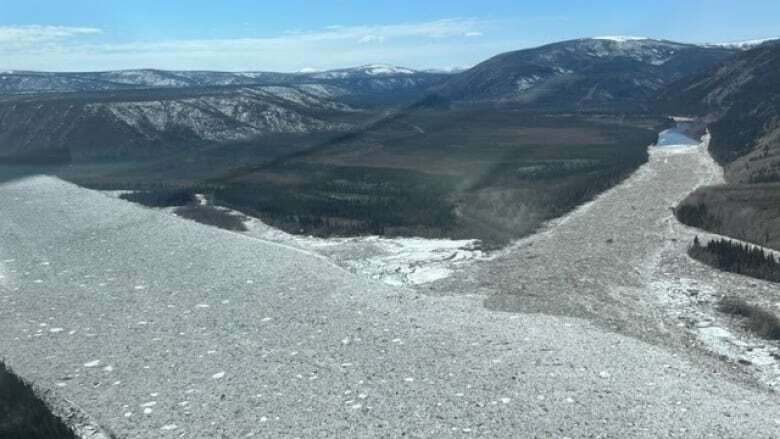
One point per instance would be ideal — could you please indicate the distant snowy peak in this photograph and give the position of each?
(146, 77)
(369, 70)
(447, 70)
(646, 50)
(744, 45)
(383, 69)
(620, 38)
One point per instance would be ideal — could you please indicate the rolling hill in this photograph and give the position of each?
(603, 73)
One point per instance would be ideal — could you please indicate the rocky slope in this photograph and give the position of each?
(582, 73)
(149, 113)
(137, 123)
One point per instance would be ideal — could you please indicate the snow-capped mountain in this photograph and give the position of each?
(621, 38)
(143, 112)
(744, 45)
(19, 82)
(382, 77)
(137, 112)
(370, 70)
(378, 80)
(584, 72)
(137, 123)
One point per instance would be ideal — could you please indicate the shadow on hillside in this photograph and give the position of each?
(23, 415)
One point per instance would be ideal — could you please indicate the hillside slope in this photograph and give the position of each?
(740, 102)
(144, 123)
(135, 114)
(372, 78)
(582, 73)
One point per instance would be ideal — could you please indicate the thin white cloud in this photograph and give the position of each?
(422, 44)
(36, 34)
(372, 39)
(474, 34)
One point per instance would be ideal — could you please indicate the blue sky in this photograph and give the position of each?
(289, 35)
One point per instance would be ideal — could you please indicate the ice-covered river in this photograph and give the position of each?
(676, 137)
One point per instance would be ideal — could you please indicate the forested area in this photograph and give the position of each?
(737, 258)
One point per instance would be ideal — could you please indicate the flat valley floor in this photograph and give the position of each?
(154, 326)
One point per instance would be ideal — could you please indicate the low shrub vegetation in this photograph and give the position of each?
(760, 321)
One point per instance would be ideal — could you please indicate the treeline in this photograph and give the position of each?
(336, 214)
(697, 215)
(161, 197)
(52, 156)
(737, 258)
(348, 201)
(584, 189)
(213, 216)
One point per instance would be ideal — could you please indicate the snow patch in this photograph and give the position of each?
(620, 38)
(427, 275)
(743, 45)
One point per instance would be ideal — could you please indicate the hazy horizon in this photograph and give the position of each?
(80, 36)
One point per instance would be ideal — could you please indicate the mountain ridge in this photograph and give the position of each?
(31, 82)
(579, 73)
(739, 100)
(99, 114)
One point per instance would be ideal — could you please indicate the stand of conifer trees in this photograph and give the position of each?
(737, 258)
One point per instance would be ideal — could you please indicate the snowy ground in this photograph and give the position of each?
(156, 326)
(394, 261)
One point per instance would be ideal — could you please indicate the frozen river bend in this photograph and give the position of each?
(159, 327)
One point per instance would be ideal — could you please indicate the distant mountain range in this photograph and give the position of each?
(150, 123)
(375, 77)
(150, 112)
